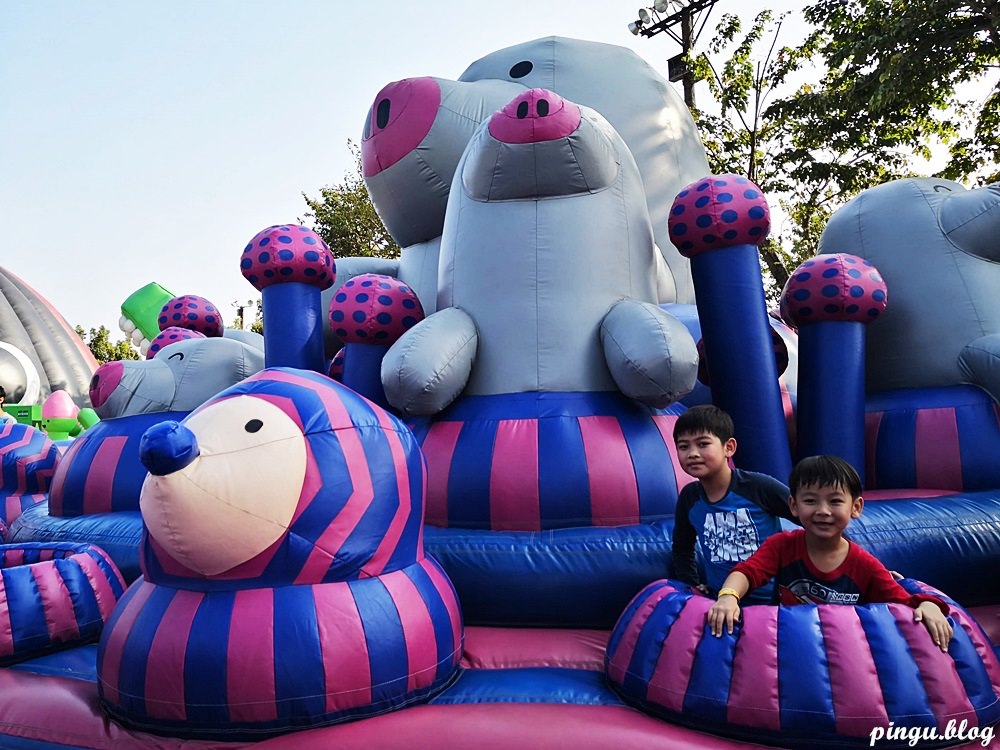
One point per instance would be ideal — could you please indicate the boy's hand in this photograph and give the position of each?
(724, 613)
(936, 623)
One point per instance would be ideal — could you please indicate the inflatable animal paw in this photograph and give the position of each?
(284, 581)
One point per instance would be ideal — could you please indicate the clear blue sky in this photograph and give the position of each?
(148, 141)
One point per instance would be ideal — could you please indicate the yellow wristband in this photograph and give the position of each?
(728, 592)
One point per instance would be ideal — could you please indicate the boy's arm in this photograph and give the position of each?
(928, 609)
(682, 559)
(772, 496)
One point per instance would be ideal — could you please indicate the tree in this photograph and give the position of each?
(904, 70)
(345, 218)
(99, 343)
(257, 326)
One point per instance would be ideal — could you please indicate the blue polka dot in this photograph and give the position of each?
(724, 197)
(192, 316)
(303, 229)
(704, 221)
(720, 183)
(702, 201)
(248, 248)
(361, 297)
(337, 316)
(286, 271)
(342, 332)
(875, 277)
(804, 276)
(683, 193)
(687, 245)
(804, 312)
(284, 239)
(831, 309)
(742, 180)
(849, 259)
(309, 240)
(830, 290)
(358, 316)
(709, 239)
(729, 216)
(680, 230)
(831, 273)
(311, 255)
(751, 195)
(253, 279)
(263, 242)
(703, 187)
(878, 295)
(854, 273)
(801, 295)
(754, 231)
(269, 273)
(857, 291)
(851, 309)
(341, 297)
(361, 334)
(409, 321)
(286, 255)
(175, 316)
(409, 304)
(730, 234)
(310, 272)
(678, 209)
(384, 285)
(384, 318)
(264, 257)
(756, 213)
(873, 312)
(210, 319)
(366, 282)
(385, 299)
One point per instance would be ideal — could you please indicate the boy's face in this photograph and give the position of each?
(703, 454)
(825, 511)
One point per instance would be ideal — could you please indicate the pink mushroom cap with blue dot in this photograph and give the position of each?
(835, 286)
(374, 309)
(171, 335)
(192, 312)
(288, 253)
(716, 212)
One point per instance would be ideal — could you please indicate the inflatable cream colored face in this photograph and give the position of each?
(638, 102)
(229, 503)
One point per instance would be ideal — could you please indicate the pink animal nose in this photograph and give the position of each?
(398, 122)
(535, 116)
(104, 382)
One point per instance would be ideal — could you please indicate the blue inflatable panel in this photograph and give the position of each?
(566, 577)
(117, 534)
(530, 685)
(938, 541)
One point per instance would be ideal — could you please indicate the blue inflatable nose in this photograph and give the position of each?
(167, 447)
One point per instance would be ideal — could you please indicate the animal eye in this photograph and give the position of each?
(253, 425)
(521, 69)
(177, 355)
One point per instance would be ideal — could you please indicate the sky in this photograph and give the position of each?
(149, 141)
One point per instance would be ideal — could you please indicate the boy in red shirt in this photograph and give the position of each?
(816, 564)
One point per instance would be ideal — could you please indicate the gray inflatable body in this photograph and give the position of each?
(547, 257)
(937, 245)
(417, 129)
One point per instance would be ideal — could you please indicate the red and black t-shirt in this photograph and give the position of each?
(859, 579)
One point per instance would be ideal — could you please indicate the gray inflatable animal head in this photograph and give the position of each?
(180, 377)
(937, 245)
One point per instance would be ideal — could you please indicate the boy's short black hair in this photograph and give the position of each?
(825, 471)
(3, 392)
(705, 418)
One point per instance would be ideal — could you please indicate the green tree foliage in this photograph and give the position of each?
(343, 215)
(257, 326)
(910, 72)
(99, 343)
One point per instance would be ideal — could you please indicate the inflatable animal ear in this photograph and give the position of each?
(283, 545)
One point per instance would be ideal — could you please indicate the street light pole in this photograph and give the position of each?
(654, 20)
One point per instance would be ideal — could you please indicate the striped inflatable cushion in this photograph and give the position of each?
(53, 596)
(28, 459)
(250, 662)
(932, 438)
(533, 461)
(101, 471)
(806, 675)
